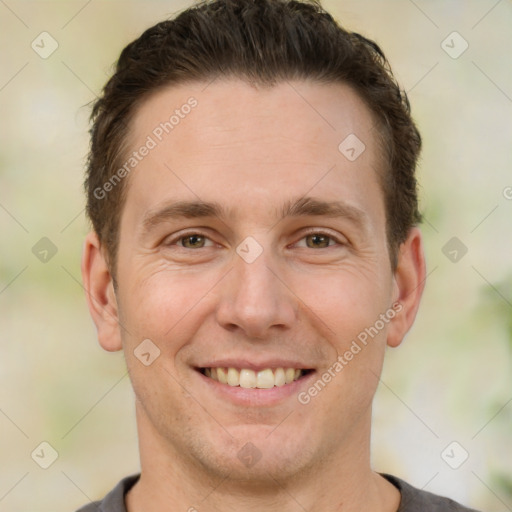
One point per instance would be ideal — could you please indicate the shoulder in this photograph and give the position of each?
(114, 500)
(92, 507)
(416, 500)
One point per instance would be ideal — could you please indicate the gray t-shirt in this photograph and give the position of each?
(413, 500)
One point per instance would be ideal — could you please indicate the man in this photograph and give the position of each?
(254, 250)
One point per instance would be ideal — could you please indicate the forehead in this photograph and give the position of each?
(321, 112)
(227, 139)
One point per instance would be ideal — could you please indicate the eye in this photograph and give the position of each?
(318, 240)
(192, 241)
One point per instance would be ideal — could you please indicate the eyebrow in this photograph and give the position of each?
(303, 206)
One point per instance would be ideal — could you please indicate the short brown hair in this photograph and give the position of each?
(263, 42)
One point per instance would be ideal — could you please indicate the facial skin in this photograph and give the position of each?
(303, 300)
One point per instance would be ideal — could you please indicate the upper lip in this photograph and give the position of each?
(254, 364)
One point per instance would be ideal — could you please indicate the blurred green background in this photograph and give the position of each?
(451, 379)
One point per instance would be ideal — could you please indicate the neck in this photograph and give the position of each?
(340, 481)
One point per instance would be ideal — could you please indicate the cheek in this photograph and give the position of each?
(158, 305)
(346, 300)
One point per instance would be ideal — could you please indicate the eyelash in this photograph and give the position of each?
(312, 232)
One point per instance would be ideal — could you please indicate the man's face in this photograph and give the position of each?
(247, 287)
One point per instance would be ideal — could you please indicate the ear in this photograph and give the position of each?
(409, 282)
(100, 295)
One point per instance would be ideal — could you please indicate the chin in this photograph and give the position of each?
(256, 455)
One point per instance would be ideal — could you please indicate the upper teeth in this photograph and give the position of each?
(245, 378)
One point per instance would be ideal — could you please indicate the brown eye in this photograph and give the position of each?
(193, 241)
(317, 241)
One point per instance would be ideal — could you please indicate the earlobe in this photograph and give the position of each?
(409, 282)
(99, 291)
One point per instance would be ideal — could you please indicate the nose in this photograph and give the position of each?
(255, 299)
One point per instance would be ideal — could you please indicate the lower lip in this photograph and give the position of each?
(256, 397)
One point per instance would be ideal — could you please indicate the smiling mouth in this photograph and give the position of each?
(247, 378)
